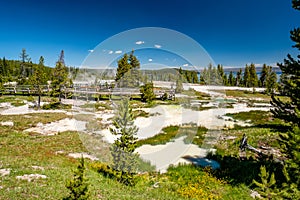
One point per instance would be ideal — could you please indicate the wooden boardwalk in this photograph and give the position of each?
(86, 91)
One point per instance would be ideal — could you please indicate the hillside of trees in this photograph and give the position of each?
(246, 77)
(23, 71)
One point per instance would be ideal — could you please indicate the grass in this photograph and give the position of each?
(167, 134)
(84, 117)
(264, 131)
(256, 117)
(247, 94)
(260, 119)
(22, 122)
(256, 137)
(20, 151)
(18, 103)
(98, 106)
(56, 105)
(197, 94)
(193, 135)
(15, 100)
(140, 113)
(196, 183)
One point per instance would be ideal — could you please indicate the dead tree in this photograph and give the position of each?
(244, 145)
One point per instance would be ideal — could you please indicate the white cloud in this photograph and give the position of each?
(118, 52)
(91, 50)
(157, 46)
(150, 60)
(185, 65)
(139, 42)
(110, 52)
(257, 65)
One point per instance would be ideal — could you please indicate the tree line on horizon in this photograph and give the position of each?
(22, 71)
(25, 72)
(246, 77)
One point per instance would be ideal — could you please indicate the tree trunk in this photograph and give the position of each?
(39, 101)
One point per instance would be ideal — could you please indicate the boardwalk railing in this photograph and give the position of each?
(84, 91)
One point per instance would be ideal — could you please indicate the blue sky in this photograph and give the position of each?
(233, 32)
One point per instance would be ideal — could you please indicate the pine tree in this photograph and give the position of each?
(78, 186)
(134, 70)
(179, 86)
(263, 76)
(267, 184)
(290, 81)
(62, 58)
(180, 71)
(123, 67)
(246, 77)
(122, 150)
(231, 79)
(128, 71)
(239, 80)
(203, 74)
(216, 79)
(222, 75)
(268, 79)
(290, 112)
(195, 77)
(39, 78)
(290, 146)
(60, 78)
(220, 70)
(225, 79)
(209, 76)
(253, 82)
(3, 72)
(187, 76)
(4, 66)
(24, 64)
(147, 93)
(271, 81)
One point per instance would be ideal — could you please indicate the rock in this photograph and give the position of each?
(30, 177)
(229, 126)
(59, 152)
(5, 105)
(156, 185)
(255, 194)
(4, 172)
(9, 123)
(39, 124)
(229, 137)
(38, 167)
(84, 155)
(57, 127)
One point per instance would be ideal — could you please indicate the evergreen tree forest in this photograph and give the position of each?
(289, 111)
(247, 77)
(129, 74)
(36, 75)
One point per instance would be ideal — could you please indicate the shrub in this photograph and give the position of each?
(103, 169)
(56, 105)
(266, 187)
(164, 96)
(147, 93)
(78, 186)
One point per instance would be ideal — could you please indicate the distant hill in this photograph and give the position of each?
(258, 69)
